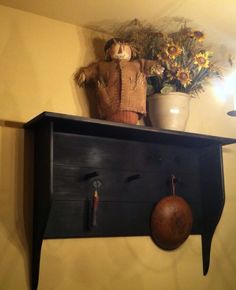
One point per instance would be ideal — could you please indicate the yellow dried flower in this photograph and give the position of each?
(198, 35)
(183, 75)
(201, 60)
(172, 70)
(163, 56)
(173, 50)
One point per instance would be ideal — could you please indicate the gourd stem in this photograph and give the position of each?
(173, 180)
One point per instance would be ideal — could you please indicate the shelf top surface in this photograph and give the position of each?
(101, 128)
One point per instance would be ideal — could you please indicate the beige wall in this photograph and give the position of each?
(38, 57)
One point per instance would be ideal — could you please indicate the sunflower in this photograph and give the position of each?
(201, 60)
(183, 75)
(172, 70)
(198, 35)
(173, 50)
(163, 56)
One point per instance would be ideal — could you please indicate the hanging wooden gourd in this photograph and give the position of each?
(171, 221)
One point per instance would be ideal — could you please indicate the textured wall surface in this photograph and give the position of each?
(38, 57)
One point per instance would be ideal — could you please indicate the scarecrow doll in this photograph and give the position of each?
(120, 82)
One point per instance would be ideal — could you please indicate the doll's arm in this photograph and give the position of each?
(87, 74)
(80, 78)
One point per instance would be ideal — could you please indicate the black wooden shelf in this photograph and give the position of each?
(133, 165)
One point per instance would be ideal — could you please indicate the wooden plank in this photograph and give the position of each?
(95, 127)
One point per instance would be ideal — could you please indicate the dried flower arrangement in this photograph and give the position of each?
(188, 63)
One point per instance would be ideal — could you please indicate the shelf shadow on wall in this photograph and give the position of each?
(16, 183)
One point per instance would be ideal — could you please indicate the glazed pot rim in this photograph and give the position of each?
(170, 93)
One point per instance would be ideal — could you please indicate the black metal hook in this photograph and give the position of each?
(91, 175)
(132, 177)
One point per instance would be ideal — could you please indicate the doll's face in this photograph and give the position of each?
(120, 51)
